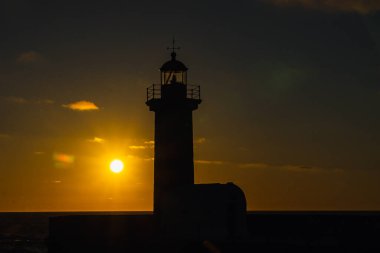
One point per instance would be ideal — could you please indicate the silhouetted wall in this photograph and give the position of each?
(269, 232)
(205, 212)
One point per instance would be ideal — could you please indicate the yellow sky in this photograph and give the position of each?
(76, 176)
(290, 101)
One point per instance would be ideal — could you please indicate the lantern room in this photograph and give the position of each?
(173, 71)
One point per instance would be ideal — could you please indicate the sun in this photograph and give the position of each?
(116, 166)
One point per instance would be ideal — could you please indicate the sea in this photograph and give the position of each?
(27, 232)
(24, 232)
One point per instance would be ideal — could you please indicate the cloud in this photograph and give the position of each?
(82, 105)
(293, 168)
(4, 136)
(200, 140)
(209, 162)
(21, 100)
(358, 6)
(97, 140)
(29, 57)
(254, 165)
(44, 101)
(16, 100)
(137, 147)
(62, 160)
(147, 145)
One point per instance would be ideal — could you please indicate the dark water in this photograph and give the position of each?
(23, 232)
(28, 232)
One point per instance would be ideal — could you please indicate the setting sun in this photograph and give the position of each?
(116, 166)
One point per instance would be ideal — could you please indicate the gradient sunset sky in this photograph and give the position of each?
(290, 111)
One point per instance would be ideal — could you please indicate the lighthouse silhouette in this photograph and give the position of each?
(184, 209)
(173, 101)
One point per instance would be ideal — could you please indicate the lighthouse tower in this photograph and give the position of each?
(184, 209)
(173, 101)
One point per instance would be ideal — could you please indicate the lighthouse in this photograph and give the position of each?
(184, 209)
(173, 101)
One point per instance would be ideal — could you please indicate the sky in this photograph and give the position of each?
(290, 110)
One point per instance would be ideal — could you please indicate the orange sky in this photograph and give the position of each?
(290, 109)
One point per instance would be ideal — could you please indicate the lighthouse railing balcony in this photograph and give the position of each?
(154, 92)
(193, 92)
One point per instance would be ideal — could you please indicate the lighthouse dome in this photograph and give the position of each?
(173, 65)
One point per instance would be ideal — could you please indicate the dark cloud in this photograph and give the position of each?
(4, 136)
(29, 57)
(359, 6)
(291, 168)
(21, 100)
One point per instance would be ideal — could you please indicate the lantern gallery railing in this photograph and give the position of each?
(192, 92)
(153, 92)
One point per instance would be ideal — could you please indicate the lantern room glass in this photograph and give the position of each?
(168, 77)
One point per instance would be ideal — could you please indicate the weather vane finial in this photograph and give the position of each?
(173, 48)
